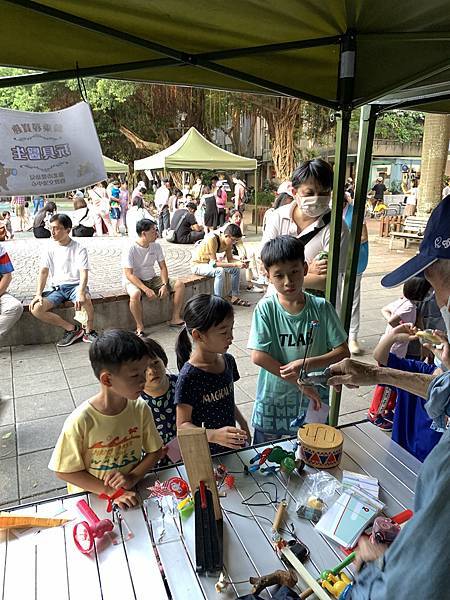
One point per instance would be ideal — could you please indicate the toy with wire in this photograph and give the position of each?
(309, 379)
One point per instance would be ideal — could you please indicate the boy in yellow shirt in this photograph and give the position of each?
(100, 447)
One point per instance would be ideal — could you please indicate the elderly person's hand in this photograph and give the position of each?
(352, 374)
(442, 351)
(368, 552)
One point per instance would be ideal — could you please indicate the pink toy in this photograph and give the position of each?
(85, 531)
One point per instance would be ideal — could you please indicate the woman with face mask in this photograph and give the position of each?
(308, 218)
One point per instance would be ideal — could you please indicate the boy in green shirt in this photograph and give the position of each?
(278, 336)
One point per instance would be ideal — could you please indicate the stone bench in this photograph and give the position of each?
(111, 310)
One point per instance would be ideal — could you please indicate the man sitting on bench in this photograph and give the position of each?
(140, 279)
(67, 263)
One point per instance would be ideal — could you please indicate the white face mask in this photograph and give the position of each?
(446, 316)
(314, 206)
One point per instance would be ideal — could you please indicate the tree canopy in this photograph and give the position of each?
(135, 119)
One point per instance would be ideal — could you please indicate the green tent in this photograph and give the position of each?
(194, 152)
(114, 166)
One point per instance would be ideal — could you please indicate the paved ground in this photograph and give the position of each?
(40, 385)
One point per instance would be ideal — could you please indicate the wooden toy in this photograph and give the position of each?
(15, 521)
(320, 445)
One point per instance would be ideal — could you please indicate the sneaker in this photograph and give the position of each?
(383, 424)
(254, 290)
(354, 347)
(90, 336)
(70, 337)
(261, 280)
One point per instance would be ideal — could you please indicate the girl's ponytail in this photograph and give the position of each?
(183, 348)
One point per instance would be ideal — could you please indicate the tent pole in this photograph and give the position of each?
(365, 143)
(366, 134)
(256, 199)
(340, 165)
(347, 62)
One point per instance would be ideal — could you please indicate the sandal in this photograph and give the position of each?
(240, 302)
(177, 325)
(140, 334)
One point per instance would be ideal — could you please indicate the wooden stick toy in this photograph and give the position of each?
(23, 521)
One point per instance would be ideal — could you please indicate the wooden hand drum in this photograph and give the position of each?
(320, 445)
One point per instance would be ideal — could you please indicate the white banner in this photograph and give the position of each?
(45, 153)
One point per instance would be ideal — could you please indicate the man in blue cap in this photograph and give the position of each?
(416, 565)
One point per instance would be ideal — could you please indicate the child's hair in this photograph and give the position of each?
(282, 199)
(201, 313)
(313, 169)
(416, 288)
(144, 225)
(233, 231)
(282, 249)
(114, 347)
(233, 211)
(62, 219)
(155, 350)
(5, 213)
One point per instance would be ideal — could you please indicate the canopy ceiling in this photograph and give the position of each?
(194, 152)
(114, 166)
(289, 47)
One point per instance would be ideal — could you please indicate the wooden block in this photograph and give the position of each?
(197, 461)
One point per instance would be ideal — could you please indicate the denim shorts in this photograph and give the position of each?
(62, 293)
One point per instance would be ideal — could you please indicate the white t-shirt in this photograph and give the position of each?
(280, 222)
(162, 197)
(65, 262)
(79, 217)
(135, 214)
(142, 260)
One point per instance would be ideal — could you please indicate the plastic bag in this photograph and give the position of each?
(315, 495)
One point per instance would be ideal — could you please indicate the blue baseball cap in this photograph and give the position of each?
(435, 245)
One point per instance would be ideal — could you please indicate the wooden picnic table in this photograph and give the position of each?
(48, 565)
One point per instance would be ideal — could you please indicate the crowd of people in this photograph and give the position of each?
(137, 394)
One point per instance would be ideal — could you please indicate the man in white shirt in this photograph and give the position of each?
(162, 196)
(308, 218)
(140, 279)
(67, 263)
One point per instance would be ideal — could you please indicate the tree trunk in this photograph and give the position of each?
(434, 158)
(281, 126)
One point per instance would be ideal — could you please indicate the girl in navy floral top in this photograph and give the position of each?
(204, 392)
(159, 391)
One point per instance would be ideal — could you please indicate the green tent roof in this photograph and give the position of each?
(295, 47)
(194, 152)
(114, 166)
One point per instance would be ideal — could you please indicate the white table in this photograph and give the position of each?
(48, 566)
